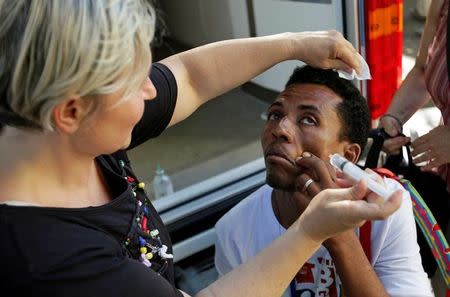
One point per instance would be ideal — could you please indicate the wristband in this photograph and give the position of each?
(395, 118)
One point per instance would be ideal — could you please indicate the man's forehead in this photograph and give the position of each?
(315, 95)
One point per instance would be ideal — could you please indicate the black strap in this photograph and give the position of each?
(378, 137)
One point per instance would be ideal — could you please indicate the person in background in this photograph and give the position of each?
(428, 79)
(77, 90)
(319, 114)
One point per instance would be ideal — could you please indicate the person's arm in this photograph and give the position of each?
(207, 71)
(413, 93)
(267, 274)
(329, 213)
(354, 269)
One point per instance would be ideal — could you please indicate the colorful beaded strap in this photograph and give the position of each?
(432, 232)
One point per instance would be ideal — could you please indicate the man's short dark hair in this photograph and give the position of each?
(353, 111)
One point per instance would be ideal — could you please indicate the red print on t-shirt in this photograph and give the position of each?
(305, 275)
(321, 285)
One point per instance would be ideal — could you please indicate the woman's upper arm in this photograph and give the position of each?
(188, 99)
(429, 31)
(159, 111)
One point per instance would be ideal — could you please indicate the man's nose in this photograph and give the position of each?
(284, 129)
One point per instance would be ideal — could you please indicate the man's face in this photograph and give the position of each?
(303, 118)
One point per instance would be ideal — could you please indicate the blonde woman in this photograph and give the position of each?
(75, 94)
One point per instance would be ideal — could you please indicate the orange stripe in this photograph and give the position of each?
(385, 21)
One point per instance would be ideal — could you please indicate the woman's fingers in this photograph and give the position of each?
(341, 65)
(347, 56)
(326, 49)
(336, 210)
(423, 157)
(346, 182)
(369, 210)
(378, 211)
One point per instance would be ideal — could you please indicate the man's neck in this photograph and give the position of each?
(284, 207)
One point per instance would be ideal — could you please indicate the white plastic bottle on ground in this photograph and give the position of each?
(162, 185)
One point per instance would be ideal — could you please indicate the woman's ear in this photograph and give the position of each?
(352, 151)
(68, 114)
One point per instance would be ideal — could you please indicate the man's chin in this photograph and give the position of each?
(279, 184)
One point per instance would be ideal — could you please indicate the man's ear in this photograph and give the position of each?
(68, 114)
(352, 151)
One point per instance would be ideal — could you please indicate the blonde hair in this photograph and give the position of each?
(52, 49)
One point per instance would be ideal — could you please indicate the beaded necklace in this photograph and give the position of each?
(147, 242)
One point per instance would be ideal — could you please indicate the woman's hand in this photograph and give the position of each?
(325, 49)
(318, 175)
(336, 210)
(433, 148)
(393, 145)
(329, 211)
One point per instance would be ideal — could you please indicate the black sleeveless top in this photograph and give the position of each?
(118, 249)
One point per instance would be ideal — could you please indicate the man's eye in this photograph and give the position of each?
(308, 121)
(274, 116)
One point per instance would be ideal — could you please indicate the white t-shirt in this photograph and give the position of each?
(251, 225)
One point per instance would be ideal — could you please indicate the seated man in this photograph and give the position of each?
(319, 114)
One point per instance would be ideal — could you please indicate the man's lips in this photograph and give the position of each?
(278, 156)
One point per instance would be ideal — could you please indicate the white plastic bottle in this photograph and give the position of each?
(162, 185)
